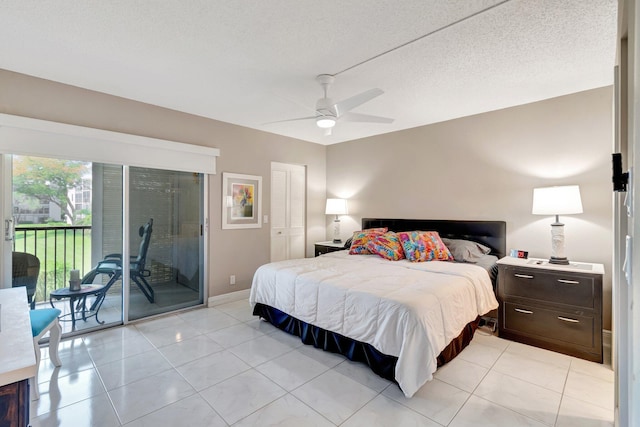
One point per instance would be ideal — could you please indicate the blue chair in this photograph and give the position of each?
(43, 321)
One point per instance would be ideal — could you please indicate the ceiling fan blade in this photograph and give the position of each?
(291, 120)
(368, 118)
(350, 103)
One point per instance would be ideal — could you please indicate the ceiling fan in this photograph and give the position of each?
(328, 113)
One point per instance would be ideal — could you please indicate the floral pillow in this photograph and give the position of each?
(424, 246)
(387, 246)
(361, 238)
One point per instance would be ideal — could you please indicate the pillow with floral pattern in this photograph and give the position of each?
(422, 246)
(361, 238)
(387, 246)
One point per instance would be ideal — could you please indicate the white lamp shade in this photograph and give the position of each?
(563, 200)
(336, 207)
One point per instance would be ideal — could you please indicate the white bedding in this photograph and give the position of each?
(403, 309)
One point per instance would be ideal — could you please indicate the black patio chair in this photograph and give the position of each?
(24, 271)
(111, 265)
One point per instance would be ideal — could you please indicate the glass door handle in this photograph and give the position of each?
(9, 229)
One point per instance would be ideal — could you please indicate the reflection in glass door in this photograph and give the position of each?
(166, 244)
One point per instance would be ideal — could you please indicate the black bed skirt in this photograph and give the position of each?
(382, 364)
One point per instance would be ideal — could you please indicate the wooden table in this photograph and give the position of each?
(17, 357)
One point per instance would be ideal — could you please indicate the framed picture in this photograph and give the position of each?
(241, 201)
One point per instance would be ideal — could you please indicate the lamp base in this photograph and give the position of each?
(557, 244)
(559, 261)
(336, 230)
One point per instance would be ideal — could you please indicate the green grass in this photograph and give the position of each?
(56, 253)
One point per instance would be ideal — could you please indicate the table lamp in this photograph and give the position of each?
(336, 207)
(564, 200)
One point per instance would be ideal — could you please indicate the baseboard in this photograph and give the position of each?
(227, 298)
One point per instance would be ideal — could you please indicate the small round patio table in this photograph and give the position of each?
(82, 294)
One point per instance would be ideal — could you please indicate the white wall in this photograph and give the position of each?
(485, 167)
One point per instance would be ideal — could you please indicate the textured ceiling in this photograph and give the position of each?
(252, 62)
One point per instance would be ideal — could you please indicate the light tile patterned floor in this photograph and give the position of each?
(220, 366)
(168, 297)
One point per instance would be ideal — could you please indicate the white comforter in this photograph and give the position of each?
(403, 309)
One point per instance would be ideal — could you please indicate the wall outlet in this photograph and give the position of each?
(232, 279)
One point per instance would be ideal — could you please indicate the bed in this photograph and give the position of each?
(403, 319)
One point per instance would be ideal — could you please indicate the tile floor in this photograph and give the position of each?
(168, 297)
(221, 366)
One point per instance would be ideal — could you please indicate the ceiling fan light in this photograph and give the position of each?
(325, 122)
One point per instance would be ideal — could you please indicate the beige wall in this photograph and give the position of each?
(242, 150)
(485, 167)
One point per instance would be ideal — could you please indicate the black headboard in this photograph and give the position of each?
(490, 233)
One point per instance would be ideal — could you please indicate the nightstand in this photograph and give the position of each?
(328, 246)
(557, 307)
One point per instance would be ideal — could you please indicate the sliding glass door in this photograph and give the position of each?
(68, 218)
(132, 224)
(171, 277)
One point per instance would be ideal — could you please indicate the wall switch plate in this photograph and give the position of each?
(232, 279)
(265, 219)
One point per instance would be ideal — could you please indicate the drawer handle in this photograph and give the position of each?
(523, 276)
(569, 282)
(519, 310)
(566, 319)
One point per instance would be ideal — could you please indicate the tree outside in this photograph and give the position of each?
(37, 180)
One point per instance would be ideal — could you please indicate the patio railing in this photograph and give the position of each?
(60, 249)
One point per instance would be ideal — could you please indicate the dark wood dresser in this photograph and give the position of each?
(14, 404)
(552, 306)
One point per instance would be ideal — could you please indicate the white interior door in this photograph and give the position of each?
(633, 311)
(620, 290)
(626, 289)
(288, 213)
(6, 210)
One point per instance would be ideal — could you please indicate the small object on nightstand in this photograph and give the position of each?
(326, 247)
(557, 307)
(518, 253)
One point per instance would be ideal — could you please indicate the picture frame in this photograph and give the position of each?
(241, 201)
